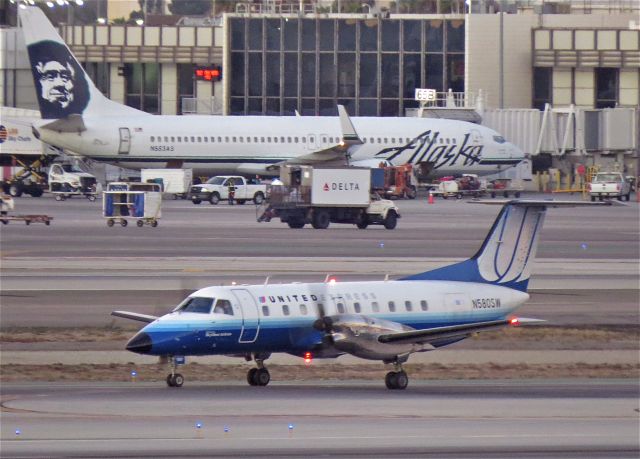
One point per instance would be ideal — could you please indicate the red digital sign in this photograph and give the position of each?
(209, 73)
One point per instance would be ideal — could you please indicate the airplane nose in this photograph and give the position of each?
(140, 343)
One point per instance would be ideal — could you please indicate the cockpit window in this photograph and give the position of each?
(223, 307)
(499, 139)
(196, 304)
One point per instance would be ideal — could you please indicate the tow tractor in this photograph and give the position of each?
(399, 182)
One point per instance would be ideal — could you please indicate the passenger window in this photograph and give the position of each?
(193, 139)
(255, 139)
(206, 139)
(219, 139)
(199, 139)
(180, 139)
(392, 306)
(424, 305)
(241, 139)
(262, 139)
(393, 140)
(223, 307)
(275, 140)
(408, 306)
(268, 139)
(173, 139)
(213, 140)
(166, 139)
(356, 308)
(385, 140)
(248, 139)
(153, 138)
(265, 310)
(288, 139)
(340, 308)
(295, 139)
(375, 307)
(324, 140)
(285, 309)
(226, 139)
(303, 309)
(234, 139)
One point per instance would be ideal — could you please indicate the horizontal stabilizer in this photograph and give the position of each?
(539, 203)
(134, 316)
(71, 123)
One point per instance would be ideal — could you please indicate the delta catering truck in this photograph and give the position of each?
(321, 196)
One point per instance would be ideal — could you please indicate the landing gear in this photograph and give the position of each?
(258, 376)
(398, 378)
(174, 379)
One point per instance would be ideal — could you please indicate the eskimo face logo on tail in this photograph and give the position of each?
(60, 81)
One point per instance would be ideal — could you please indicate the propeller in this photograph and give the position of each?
(324, 323)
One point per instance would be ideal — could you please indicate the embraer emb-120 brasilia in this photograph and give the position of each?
(77, 117)
(377, 320)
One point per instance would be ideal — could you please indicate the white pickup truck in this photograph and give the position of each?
(609, 185)
(217, 188)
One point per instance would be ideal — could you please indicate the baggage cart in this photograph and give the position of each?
(139, 202)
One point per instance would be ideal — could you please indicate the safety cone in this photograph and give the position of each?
(430, 197)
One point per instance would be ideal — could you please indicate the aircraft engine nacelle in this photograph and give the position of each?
(358, 335)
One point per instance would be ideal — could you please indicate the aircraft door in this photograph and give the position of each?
(125, 141)
(250, 316)
(312, 142)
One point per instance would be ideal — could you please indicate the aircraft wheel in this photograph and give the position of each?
(262, 377)
(251, 376)
(170, 380)
(123, 223)
(140, 223)
(396, 380)
(390, 380)
(178, 380)
(402, 380)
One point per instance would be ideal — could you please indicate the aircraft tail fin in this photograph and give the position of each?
(63, 87)
(507, 253)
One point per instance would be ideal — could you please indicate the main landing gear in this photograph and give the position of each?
(258, 376)
(398, 378)
(174, 379)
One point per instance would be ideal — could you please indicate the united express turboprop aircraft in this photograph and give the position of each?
(378, 320)
(77, 117)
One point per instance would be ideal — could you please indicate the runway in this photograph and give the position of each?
(575, 418)
(72, 274)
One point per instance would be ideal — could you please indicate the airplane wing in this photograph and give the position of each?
(431, 335)
(134, 316)
(336, 153)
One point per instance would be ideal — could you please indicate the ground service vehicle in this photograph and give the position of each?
(125, 201)
(217, 188)
(400, 182)
(321, 196)
(176, 182)
(66, 180)
(609, 185)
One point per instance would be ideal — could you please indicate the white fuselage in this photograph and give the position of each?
(247, 145)
(280, 318)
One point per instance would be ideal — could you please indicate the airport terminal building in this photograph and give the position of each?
(276, 58)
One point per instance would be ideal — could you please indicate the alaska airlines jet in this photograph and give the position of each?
(77, 117)
(378, 320)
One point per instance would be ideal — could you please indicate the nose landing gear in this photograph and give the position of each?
(174, 379)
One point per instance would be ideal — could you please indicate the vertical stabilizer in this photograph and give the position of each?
(507, 253)
(63, 88)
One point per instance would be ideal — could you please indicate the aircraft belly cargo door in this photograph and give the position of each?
(125, 141)
(250, 317)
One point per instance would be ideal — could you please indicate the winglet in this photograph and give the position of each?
(349, 134)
